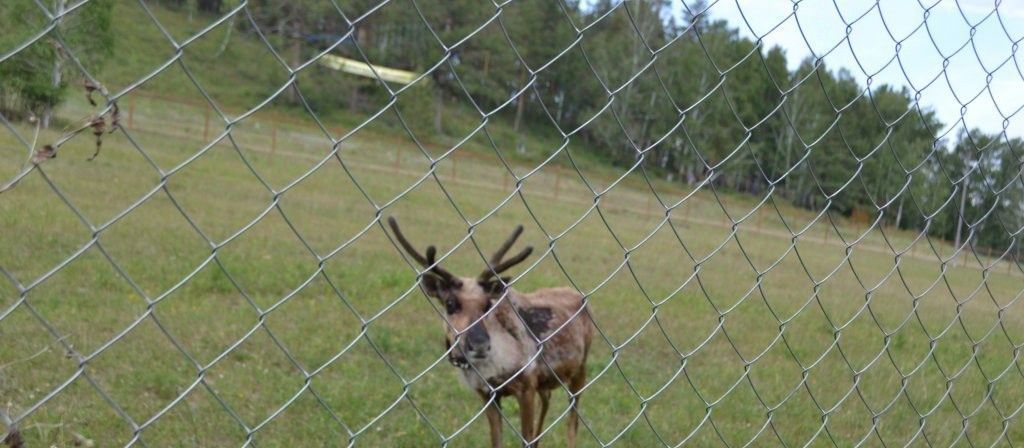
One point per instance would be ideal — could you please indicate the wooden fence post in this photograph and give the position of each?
(558, 181)
(206, 124)
(273, 137)
(131, 112)
(1009, 259)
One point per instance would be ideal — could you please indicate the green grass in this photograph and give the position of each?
(89, 303)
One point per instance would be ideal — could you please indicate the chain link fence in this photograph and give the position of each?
(186, 272)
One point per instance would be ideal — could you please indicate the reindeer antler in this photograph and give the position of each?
(500, 253)
(496, 266)
(428, 261)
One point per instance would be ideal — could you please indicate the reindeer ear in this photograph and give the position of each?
(496, 287)
(431, 285)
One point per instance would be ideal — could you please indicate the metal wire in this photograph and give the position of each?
(669, 219)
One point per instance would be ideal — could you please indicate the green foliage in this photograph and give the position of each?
(90, 302)
(25, 84)
(691, 99)
(35, 79)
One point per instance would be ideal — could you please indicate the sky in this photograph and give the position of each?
(873, 42)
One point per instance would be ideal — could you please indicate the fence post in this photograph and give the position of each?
(206, 124)
(1009, 259)
(131, 112)
(558, 181)
(273, 137)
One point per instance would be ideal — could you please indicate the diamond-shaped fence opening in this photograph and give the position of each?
(771, 223)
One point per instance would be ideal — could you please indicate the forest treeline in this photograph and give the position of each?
(698, 100)
(695, 99)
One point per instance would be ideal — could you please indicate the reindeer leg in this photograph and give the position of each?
(526, 419)
(545, 398)
(575, 386)
(493, 413)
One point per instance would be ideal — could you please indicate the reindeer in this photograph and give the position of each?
(13, 438)
(505, 342)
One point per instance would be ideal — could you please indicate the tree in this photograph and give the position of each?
(35, 80)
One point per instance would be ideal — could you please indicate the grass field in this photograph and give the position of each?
(304, 328)
(89, 304)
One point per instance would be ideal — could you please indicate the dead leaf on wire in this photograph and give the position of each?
(90, 87)
(99, 126)
(45, 153)
(115, 117)
(98, 123)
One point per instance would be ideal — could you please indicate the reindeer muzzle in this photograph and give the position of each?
(456, 359)
(459, 361)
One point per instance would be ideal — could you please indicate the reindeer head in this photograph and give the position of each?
(465, 300)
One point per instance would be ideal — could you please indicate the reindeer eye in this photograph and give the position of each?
(451, 306)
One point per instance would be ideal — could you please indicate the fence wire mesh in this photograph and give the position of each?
(185, 273)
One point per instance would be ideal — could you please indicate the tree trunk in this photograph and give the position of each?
(899, 211)
(439, 89)
(355, 99)
(212, 6)
(296, 53)
(438, 111)
(960, 218)
(560, 95)
(227, 37)
(520, 103)
(56, 75)
(647, 122)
